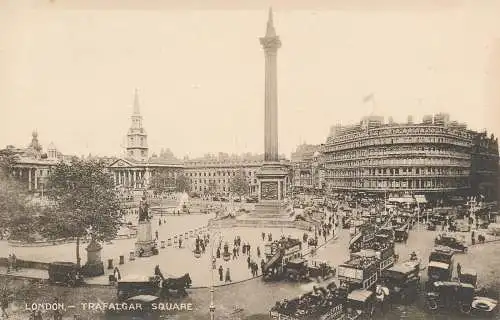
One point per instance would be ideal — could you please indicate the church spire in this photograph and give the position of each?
(270, 32)
(136, 103)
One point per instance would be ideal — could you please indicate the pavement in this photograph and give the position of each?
(173, 261)
(252, 299)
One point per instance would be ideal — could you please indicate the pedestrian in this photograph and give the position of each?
(258, 252)
(263, 236)
(9, 263)
(159, 222)
(262, 264)
(228, 276)
(4, 304)
(234, 253)
(248, 262)
(217, 253)
(14, 262)
(221, 273)
(248, 248)
(459, 269)
(156, 233)
(180, 242)
(244, 249)
(116, 274)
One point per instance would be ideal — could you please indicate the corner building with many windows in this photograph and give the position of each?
(436, 158)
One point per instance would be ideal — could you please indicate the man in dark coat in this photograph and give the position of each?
(221, 273)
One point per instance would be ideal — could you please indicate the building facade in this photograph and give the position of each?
(136, 169)
(307, 168)
(214, 175)
(32, 165)
(434, 158)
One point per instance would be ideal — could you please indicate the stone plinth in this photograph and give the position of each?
(94, 266)
(272, 192)
(145, 242)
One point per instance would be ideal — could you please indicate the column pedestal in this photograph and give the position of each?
(94, 266)
(145, 243)
(272, 180)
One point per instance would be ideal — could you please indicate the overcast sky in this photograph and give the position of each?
(69, 70)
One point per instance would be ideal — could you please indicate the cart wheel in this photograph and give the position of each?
(71, 283)
(432, 305)
(465, 308)
(466, 249)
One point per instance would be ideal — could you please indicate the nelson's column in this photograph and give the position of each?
(272, 175)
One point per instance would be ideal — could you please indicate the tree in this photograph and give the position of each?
(160, 182)
(239, 184)
(16, 213)
(182, 183)
(86, 202)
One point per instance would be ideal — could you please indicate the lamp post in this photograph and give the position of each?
(213, 239)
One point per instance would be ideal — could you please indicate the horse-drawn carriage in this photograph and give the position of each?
(155, 285)
(65, 273)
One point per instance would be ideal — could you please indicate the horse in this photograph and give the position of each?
(179, 284)
(381, 295)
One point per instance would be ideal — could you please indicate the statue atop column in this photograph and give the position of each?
(143, 210)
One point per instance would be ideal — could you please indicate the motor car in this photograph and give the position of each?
(451, 241)
(441, 263)
(360, 304)
(401, 233)
(484, 306)
(402, 280)
(468, 276)
(65, 273)
(450, 295)
(322, 269)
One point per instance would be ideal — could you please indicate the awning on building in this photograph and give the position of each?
(402, 200)
(420, 198)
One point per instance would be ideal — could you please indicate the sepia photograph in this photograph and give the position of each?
(249, 159)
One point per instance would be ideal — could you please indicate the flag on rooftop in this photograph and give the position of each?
(368, 98)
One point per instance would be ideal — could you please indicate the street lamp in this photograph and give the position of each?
(213, 240)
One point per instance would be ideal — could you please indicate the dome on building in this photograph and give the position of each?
(52, 146)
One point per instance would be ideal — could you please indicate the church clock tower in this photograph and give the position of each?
(137, 138)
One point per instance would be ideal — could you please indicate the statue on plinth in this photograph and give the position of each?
(144, 210)
(144, 247)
